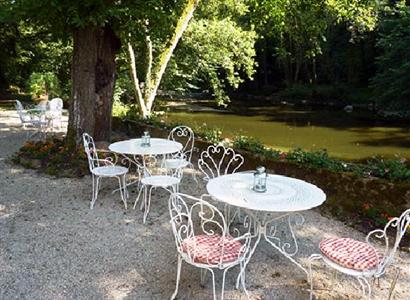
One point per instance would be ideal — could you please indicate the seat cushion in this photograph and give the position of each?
(175, 163)
(207, 249)
(350, 253)
(109, 171)
(160, 180)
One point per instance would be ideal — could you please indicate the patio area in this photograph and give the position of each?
(52, 246)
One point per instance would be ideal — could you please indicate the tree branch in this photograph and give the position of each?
(137, 89)
(165, 56)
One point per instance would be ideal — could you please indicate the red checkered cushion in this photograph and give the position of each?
(350, 253)
(207, 249)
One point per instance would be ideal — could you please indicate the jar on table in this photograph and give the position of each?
(259, 180)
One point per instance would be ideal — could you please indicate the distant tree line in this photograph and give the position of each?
(316, 48)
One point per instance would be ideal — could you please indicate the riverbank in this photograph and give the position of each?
(347, 136)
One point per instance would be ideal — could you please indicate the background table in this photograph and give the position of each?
(135, 153)
(133, 147)
(284, 198)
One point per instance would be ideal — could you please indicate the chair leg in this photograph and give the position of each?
(96, 187)
(142, 187)
(311, 259)
(213, 282)
(93, 192)
(147, 202)
(178, 277)
(122, 191)
(243, 279)
(191, 166)
(366, 288)
(124, 179)
(223, 283)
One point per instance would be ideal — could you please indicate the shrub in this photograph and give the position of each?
(393, 170)
(55, 157)
(316, 159)
(43, 84)
(211, 135)
(255, 146)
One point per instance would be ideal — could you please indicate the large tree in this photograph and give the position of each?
(90, 24)
(96, 28)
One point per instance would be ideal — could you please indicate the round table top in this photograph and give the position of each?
(284, 194)
(157, 147)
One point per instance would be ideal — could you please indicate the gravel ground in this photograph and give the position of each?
(52, 246)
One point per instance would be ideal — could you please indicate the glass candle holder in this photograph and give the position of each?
(146, 139)
(259, 180)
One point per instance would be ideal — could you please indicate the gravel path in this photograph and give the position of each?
(52, 246)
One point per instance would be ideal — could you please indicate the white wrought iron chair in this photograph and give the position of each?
(218, 160)
(153, 176)
(106, 167)
(361, 259)
(182, 159)
(54, 112)
(203, 238)
(33, 120)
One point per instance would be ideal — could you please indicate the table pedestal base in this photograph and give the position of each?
(267, 228)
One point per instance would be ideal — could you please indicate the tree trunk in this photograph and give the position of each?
(93, 79)
(165, 56)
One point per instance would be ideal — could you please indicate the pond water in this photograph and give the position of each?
(350, 136)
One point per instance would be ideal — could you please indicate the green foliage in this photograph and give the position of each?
(393, 170)
(299, 28)
(214, 54)
(119, 109)
(211, 135)
(256, 147)
(43, 84)
(316, 159)
(391, 83)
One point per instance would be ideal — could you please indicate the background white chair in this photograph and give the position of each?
(218, 160)
(104, 168)
(35, 120)
(182, 159)
(54, 112)
(360, 259)
(153, 176)
(203, 238)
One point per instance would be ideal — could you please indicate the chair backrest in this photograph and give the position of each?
(22, 113)
(184, 135)
(91, 151)
(192, 217)
(55, 105)
(401, 226)
(42, 105)
(218, 160)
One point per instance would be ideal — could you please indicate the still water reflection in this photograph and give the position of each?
(347, 136)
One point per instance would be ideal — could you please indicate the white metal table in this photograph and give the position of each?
(133, 147)
(284, 199)
(134, 152)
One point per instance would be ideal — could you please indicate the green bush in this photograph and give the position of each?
(211, 135)
(43, 84)
(393, 170)
(316, 159)
(255, 146)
